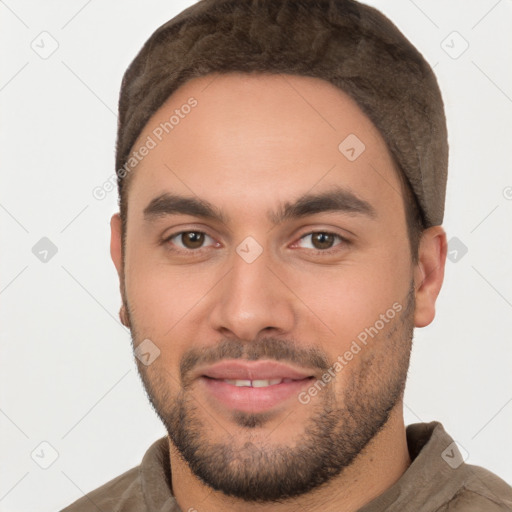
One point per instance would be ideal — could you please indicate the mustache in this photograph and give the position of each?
(266, 348)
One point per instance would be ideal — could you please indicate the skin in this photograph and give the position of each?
(251, 144)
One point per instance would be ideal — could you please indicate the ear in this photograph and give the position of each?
(116, 247)
(429, 274)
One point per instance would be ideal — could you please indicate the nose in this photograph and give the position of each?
(253, 298)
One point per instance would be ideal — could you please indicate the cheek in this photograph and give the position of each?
(162, 296)
(343, 301)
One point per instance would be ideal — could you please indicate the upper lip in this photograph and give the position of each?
(252, 370)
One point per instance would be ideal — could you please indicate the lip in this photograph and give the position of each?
(253, 370)
(252, 399)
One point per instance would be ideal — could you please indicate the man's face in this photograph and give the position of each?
(284, 339)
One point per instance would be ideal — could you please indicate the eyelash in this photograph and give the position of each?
(329, 251)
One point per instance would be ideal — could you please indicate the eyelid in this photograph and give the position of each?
(344, 240)
(167, 240)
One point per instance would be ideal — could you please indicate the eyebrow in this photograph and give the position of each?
(336, 199)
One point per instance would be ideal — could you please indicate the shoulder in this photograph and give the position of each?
(121, 494)
(481, 491)
(143, 487)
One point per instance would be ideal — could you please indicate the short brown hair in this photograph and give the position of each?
(351, 45)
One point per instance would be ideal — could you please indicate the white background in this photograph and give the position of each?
(67, 372)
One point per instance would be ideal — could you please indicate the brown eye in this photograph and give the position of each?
(322, 241)
(188, 240)
(192, 239)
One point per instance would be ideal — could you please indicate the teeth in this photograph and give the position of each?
(254, 383)
(239, 383)
(265, 383)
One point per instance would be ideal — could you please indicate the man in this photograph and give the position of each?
(282, 171)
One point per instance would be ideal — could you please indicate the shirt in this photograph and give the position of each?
(437, 480)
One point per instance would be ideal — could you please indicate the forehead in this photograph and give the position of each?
(259, 137)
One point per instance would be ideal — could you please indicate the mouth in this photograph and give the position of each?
(256, 383)
(253, 386)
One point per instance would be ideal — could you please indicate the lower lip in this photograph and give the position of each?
(249, 399)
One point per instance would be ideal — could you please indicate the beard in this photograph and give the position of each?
(246, 465)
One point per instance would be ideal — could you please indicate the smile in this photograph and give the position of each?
(257, 383)
(252, 386)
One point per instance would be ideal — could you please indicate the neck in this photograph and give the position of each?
(382, 462)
